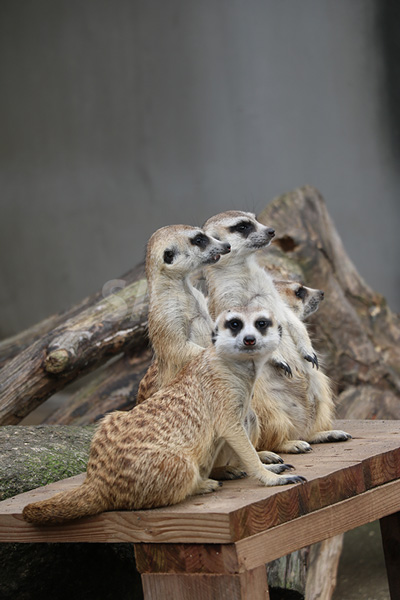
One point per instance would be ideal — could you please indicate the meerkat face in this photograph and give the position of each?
(241, 230)
(301, 299)
(177, 250)
(246, 333)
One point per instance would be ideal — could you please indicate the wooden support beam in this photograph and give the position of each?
(390, 529)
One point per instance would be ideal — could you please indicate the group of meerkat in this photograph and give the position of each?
(234, 380)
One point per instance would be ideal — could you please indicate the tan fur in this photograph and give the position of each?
(162, 451)
(179, 323)
(304, 301)
(285, 408)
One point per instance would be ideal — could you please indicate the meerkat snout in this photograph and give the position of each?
(249, 340)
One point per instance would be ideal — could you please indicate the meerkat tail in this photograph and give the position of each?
(83, 501)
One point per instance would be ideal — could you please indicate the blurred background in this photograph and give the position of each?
(118, 117)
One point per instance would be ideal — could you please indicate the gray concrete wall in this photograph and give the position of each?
(118, 117)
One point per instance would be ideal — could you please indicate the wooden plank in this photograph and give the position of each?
(390, 529)
(319, 525)
(241, 508)
(251, 585)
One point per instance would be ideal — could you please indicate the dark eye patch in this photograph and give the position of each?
(245, 228)
(301, 292)
(200, 240)
(235, 325)
(262, 325)
(169, 256)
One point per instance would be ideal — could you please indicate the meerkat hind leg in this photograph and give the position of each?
(227, 472)
(238, 440)
(332, 435)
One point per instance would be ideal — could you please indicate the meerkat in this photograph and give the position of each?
(162, 451)
(284, 408)
(179, 322)
(305, 301)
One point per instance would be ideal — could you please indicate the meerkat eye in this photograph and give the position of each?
(234, 325)
(243, 227)
(301, 292)
(263, 324)
(169, 256)
(200, 240)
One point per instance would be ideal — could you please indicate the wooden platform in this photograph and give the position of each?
(216, 546)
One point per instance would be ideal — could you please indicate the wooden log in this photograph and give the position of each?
(111, 326)
(12, 346)
(354, 329)
(115, 388)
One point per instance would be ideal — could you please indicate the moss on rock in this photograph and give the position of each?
(31, 457)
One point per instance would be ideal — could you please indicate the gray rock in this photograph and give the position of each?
(31, 457)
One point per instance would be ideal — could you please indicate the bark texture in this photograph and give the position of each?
(354, 331)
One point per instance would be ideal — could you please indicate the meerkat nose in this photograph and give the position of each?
(271, 232)
(227, 248)
(249, 340)
(322, 294)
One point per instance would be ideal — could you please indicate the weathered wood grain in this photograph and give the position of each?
(12, 346)
(115, 388)
(250, 585)
(115, 324)
(241, 509)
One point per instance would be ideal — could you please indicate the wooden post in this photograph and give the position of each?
(197, 572)
(390, 530)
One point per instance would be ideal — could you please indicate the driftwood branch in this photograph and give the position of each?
(12, 346)
(84, 342)
(114, 388)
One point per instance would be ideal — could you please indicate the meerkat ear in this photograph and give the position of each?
(214, 335)
(280, 330)
(169, 256)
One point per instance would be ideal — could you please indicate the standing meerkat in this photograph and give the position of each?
(179, 322)
(287, 406)
(162, 451)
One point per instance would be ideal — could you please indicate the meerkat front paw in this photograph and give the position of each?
(312, 358)
(285, 368)
(268, 457)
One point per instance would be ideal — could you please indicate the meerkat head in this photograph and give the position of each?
(241, 230)
(246, 333)
(177, 250)
(301, 299)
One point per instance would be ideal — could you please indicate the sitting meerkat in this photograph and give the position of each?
(304, 301)
(162, 451)
(179, 322)
(286, 406)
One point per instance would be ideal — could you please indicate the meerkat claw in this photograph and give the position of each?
(285, 368)
(313, 359)
(279, 468)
